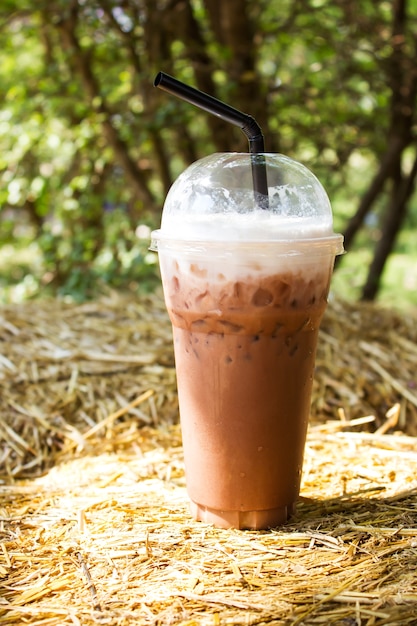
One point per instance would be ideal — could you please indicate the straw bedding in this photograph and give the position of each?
(94, 525)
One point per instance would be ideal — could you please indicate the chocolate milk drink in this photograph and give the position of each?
(245, 289)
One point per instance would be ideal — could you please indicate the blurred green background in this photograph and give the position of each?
(89, 148)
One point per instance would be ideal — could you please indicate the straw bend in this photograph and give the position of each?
(254, 135)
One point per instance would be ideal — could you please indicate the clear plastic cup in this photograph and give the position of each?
(246, 289)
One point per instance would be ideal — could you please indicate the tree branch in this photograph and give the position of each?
(402, 78)
(82, 66)
(395, 214)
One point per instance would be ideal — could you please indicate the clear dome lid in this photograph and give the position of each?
(214, 200)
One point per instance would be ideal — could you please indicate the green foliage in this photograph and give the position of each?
(69, 267)
(88, 148)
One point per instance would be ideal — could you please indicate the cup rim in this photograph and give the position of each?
(330, 244)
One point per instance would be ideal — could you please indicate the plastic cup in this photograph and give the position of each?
(246, 290)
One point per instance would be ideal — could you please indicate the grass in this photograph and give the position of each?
(399, 280)
(398, 288)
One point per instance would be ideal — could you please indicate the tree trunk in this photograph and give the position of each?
(389, 163)
(396, 213)
(401, 72)
(222, 134)
(234, 29)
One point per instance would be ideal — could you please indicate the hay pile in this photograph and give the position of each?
(94, 526)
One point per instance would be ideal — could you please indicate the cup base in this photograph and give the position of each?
(242, 520)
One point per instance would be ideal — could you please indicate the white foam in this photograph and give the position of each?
(256, 226)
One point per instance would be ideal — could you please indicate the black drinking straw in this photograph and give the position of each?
(229, 114)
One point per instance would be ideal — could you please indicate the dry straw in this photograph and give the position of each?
(94, 525)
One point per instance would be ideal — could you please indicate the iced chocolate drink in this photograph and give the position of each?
(245, 316)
